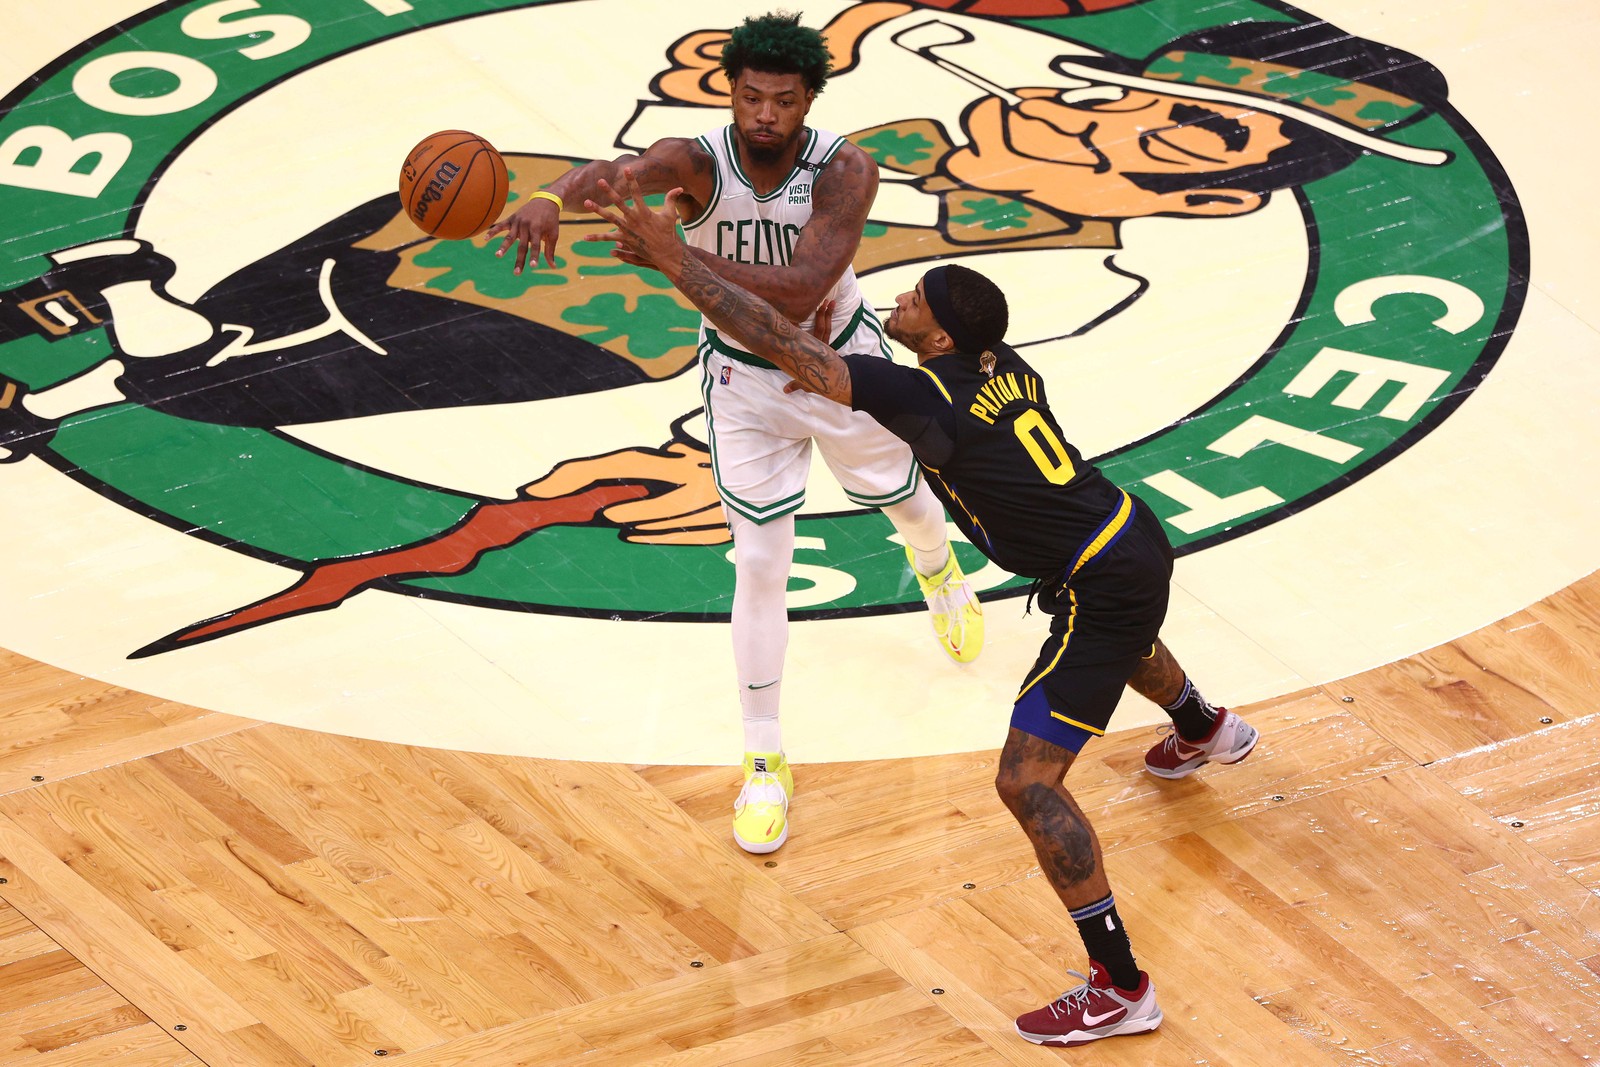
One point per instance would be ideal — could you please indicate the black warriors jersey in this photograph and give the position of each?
(994, 454)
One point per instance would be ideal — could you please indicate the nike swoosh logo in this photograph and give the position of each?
(1096, 1020)
(763, 685)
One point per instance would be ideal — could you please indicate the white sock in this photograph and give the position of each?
(921, 522)
(762, 554)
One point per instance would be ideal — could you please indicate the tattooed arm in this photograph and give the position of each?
(745, 317)
(758, 326)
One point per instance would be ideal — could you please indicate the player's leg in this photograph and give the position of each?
(1116, 997)
(921, 523)
(1200, 733)
(876, 469)
(762, 553)
(1102, 620)
(953, 606)
(760, 459)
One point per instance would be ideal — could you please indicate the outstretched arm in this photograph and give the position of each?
(747, 318)
(672, 162)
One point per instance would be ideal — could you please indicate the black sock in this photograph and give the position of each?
(1107, 942)
(1191, 714)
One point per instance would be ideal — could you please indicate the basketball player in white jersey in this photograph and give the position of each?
(779, 209)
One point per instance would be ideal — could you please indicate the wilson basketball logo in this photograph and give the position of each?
(339, 396)
(434, 190)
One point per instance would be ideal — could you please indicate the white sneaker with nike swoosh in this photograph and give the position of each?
(1091, 1011)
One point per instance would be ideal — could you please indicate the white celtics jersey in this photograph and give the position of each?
(740, 225)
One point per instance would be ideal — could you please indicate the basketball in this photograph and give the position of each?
(453, 184)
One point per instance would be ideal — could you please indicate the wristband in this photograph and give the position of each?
(545, 194)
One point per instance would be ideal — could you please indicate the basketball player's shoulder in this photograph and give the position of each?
(830, 152)
(942, 375)
(683, 155)
(846, 168)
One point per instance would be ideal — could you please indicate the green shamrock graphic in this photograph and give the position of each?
(1386, 112)
(655, 326)
(1196, 66)
(465, 262)
(900, 148)
(1309, 86)
(994, 214)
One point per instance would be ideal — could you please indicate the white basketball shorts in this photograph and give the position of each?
(761, 437)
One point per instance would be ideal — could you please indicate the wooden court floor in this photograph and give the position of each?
(1405, 872)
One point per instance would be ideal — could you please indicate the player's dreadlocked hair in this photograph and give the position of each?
(777, 44)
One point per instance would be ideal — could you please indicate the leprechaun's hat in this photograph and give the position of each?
(1357, 90)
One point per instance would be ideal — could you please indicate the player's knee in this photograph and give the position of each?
(762, 559)
(1029, 769)
(763, 569)
(1014, 784)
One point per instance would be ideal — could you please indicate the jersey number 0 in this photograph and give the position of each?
(1037, 437)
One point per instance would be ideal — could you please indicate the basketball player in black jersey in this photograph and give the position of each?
(976, 417)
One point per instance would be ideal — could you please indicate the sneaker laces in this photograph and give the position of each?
(949, 599)
(761, 787)
(942, 597)
(1076, 997)
(1178, 744)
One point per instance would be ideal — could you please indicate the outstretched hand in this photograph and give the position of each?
(650, 237)
(532, 228)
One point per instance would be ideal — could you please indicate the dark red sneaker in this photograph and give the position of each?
(1091, 1011)
(1231, 739)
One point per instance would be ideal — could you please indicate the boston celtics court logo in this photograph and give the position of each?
(215, 317)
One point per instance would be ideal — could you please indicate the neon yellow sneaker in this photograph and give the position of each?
(953, 607)
(761, 814)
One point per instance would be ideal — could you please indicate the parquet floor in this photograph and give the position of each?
(1404, 873)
